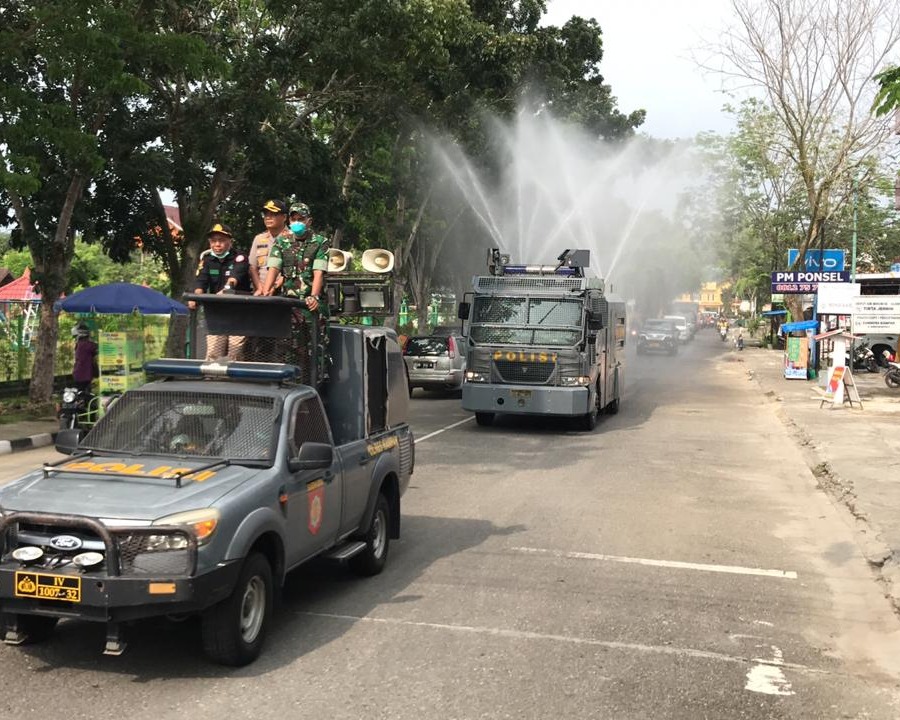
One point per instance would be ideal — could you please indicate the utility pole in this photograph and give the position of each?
(853, 251)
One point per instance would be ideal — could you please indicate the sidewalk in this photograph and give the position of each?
(26, 435)
(853, 453)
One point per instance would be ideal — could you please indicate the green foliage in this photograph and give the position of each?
(888, 97)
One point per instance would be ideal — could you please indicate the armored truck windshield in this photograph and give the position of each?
(527, 321)
(237, 427)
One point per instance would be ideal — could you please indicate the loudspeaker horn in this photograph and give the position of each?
(378, 261)
(338, 260)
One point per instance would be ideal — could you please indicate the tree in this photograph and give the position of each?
(813, 63)
(65, 67)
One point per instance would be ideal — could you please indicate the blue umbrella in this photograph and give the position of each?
(120, 298)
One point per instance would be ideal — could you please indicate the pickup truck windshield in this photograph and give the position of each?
(203, 425)
(527, 321)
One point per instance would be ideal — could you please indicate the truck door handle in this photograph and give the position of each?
(328, 476)
(365, 460)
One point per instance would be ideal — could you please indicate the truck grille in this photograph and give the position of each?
(525, 373)
(144, 551)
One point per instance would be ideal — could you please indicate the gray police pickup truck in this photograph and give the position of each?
(198, 492)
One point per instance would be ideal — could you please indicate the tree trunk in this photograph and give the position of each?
(51, 264)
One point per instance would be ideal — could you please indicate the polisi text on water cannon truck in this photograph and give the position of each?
(199, 491)
(543, 340)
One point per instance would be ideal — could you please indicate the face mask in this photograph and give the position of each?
(298, 227)
(219, 255)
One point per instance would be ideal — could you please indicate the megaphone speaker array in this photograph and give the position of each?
(378, 261)
(338, 260)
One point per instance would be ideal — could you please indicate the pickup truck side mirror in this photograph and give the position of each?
(313, 456)
(463, 312)
(67, 440)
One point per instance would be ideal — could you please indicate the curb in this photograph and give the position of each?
(877, 553)
(26, 443)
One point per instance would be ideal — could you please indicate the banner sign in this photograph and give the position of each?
(836, 298)
(805, 282)
(796, 354)
(816, 260)
(878, 314)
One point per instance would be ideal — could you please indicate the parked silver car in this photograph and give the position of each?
(435, 362)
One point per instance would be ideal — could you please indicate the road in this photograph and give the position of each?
(678, 562)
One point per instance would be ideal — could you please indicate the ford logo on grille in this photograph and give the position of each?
(65, 542)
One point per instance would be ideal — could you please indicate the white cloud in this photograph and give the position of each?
(647, 59)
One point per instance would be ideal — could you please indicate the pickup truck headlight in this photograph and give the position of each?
(202, 523)
(472, 376)
(574, 381)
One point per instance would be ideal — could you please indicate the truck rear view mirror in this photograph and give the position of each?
(67, 440)
(312, 456)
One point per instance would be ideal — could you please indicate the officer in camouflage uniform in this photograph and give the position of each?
(301, 261)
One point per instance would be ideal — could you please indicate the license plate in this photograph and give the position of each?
(521, 394)
(423, 365)
(66, 588)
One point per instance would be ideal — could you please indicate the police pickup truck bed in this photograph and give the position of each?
(196, 493)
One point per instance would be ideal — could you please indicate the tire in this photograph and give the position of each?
(613, 407)
(371, 561)
(892, 378)
(234, 630)
(484, 419)
(871, 365)
(588, 422)
(37, 628)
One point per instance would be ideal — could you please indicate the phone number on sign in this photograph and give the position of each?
(794, 287)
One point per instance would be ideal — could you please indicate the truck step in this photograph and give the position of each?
(347, 550)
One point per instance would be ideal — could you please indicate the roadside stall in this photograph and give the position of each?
(120, 354)
(796, 348)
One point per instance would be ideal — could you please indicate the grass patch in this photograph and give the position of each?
(13, 410)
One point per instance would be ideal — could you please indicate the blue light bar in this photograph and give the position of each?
(270, 372)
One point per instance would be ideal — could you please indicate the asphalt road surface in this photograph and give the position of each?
(678, 562)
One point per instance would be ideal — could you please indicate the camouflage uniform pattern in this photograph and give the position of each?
(297, 258)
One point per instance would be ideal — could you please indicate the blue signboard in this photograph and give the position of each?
(829, 259)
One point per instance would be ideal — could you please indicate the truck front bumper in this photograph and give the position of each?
(105, 598)
(526, 399)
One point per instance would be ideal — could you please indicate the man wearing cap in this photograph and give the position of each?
(301, 262)
(274, 214)
(221, 270)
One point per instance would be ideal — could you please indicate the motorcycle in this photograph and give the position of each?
(863, 359)
(74, 403)
(739, 342)
(81, 408)
(723, 333)
(892, 376)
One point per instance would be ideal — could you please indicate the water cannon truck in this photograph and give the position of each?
(543, 340)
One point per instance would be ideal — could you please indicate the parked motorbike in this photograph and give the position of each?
(892, 376)
(864, 359)
(74, 403)
(81, 408)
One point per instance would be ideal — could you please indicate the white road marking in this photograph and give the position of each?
(767, 677)
(570, 639)
(444, 429)
(733, 569)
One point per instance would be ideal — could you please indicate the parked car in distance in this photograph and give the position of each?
(681, 325)
(658, 335)
(435, 362)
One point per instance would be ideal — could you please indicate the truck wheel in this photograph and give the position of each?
(484, 419)
(613, 407)
(371, 561)
(36, 628)
(588, 422)
(235, 629)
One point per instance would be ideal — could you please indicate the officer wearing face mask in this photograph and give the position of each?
(301, 261)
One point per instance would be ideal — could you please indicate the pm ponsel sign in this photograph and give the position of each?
(805, 282)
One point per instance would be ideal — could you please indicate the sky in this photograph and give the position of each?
(646, 59)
